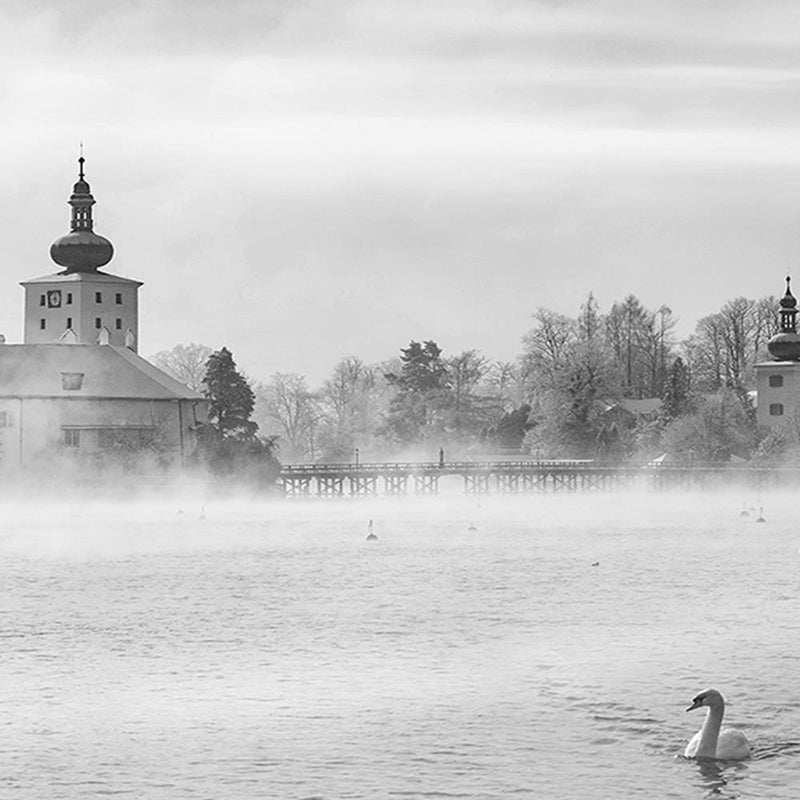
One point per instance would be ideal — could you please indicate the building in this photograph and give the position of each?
(76, 392)
(778, 381)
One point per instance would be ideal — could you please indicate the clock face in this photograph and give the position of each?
(54, 298)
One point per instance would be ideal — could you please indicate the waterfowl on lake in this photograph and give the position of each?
(371, 537)
(761, 515)
(472, 527)
(713, 741)
(744, 512)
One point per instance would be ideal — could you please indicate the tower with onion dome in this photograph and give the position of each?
(81, 304)
(778, 381)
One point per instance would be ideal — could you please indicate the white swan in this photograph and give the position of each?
(710, 741)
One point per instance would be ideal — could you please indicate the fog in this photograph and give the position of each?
(193, 519)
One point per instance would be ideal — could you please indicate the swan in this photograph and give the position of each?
(371, 537)
(710, 741)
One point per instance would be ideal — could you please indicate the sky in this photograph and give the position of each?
(305, 180)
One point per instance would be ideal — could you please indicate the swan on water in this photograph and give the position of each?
(710, 741)
(371, 537)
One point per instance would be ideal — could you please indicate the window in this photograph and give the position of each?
(42, 300)
(118, 298)
(69, 322)
(42, 324)
(72, 438)
(98, 297)
(4, 421)
(71, 381)
(775, 381)
(118, 324)
(776, 409)
(69, 298)
(126, 439)
(98, 323)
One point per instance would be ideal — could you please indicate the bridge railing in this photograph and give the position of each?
(424, 466)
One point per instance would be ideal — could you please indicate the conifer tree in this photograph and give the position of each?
(228, 443)
(230, 398)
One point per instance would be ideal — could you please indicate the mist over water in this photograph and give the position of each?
(542, 646)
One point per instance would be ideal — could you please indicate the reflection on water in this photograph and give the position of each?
(270, 651)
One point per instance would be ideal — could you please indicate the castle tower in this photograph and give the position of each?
(778, 381)
(81, 304)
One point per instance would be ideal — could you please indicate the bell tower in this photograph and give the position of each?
(81, 304)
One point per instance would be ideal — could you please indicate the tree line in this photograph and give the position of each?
(617, 386)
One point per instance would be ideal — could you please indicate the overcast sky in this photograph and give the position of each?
(302, 180)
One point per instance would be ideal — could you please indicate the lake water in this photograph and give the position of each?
(269, 651)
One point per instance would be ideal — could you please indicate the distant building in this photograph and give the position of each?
(778, 381)
(76, 391)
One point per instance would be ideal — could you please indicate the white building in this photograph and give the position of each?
(75, 392)
(778, 381)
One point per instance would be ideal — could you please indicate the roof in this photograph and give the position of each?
(644, 405)
(35, 370)
(80, 277)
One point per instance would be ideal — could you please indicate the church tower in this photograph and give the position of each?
(778, 381)
(81, 304)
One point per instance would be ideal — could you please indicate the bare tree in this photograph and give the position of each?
(184, 362)
(286, 406)
(348, 403)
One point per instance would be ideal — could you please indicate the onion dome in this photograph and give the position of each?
(785, 345)
(81, 250)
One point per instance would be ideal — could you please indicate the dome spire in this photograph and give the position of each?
(81, 250)
(785, 345)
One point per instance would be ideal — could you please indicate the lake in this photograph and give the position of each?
(541, 646)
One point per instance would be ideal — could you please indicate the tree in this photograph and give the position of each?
(290, 409)
(467, 409)
(230, 398)
(348, 401)
(726, 345)
(509, 431)
(546, 348)
(228, 443)
(676, 397)
(421, 384)
(184, 362)
(719, 428)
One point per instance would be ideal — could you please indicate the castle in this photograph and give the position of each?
(76, 393)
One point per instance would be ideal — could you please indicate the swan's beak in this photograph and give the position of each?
(695, 704)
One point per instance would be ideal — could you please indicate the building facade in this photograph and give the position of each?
(75, 392)
(778, 381)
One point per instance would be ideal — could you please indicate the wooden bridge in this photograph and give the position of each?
(518, 477)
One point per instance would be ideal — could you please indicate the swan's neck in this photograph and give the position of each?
(709, 733)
